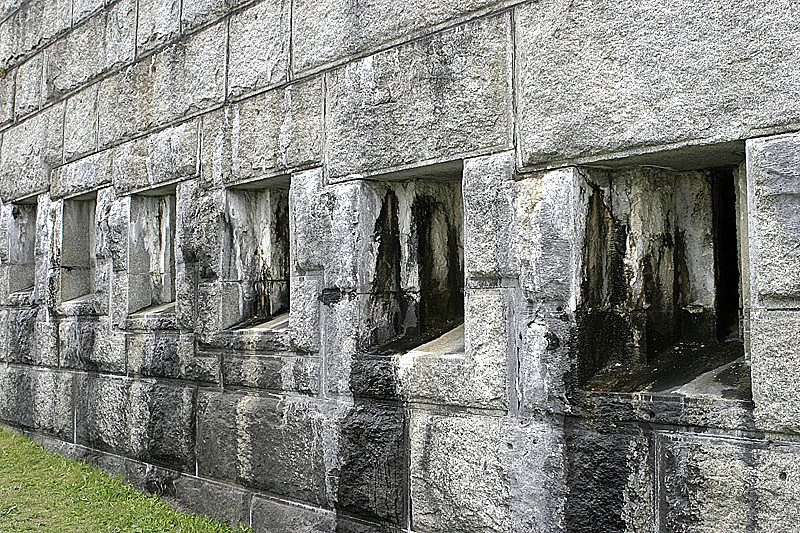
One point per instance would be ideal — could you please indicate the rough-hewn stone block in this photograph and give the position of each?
(29, 89)
(439, 97)
(159, 22)
(291, 374)
(84, 174)
(774, 220)
(181, 79)
(7, 97)
(597, 79)
(263, 443)
(325, 32)
(259, 47)
(229, 505)
(80, 124)
(457, 476)
(264, 135)
(29, 151)
(103, 43)
(775, 352)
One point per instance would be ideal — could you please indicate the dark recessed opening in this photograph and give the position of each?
(417, 288)
(726, 256)
(660, 293)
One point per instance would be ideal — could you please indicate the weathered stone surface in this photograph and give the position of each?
(84, 8)
(182, 79)
(489, 216)
(335, 30)
(451, 96)
(707, 483)
(29, 151)
(84, 174)
(373, 458)
(160, 421)
(264, 135)
(29, 89)
(262, 443)
(773, 193)
(155, 354)
(7, 97)
(103, 43)
(775, 352)
(296, 374)
(76, 338)
(229, 505)
(101, 413)
(304, 323)
(457, 476)
(270, 516)
(80, 124)
(475, 377)
(195, 13)
(159, 22)
(161, 157)
(259, 47)
(600, 79)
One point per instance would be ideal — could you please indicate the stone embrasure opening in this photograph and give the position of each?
(78, 247)
(22, 242)
(660, 303)
(257, 236)
(416, 290)
(151, 272)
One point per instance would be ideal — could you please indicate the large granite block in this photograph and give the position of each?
(29, 151)
(28, 95)
(159, 22)
(773, 194)
(80, 124)
(596, 78)
(259, 47)
(330, 31)
(436, 98)
(181, 79)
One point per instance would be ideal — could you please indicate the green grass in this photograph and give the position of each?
(44, 492)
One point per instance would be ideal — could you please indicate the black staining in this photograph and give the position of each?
(553, 341)
(331, 295)
(441, 273)
(678, 511)
(641, 324)
(676, 366)
(373, 454)
(389, 301)
(782, 476)
(603, 332)
(597, 475)
(726, 258)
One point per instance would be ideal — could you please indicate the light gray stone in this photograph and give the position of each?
(489, 217)
(458, 479)
(7, 97)
(81, 175)
(259, 47)
(80, 124)
(158, 23)
(475, 374)
(774, 343)
(29, 151)
(29, 88)
(600, 79)
(102, 44)
(84, 8)
(161, 157)
(773, 193)
(325, 32)
(440, 97)
(264, 135)
(182, 79)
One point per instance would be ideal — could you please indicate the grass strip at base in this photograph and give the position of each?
(44, 492)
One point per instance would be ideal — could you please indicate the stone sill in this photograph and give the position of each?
(157, 317)
(23, 298)
(85, 305)
(270, 336)
(664, 408)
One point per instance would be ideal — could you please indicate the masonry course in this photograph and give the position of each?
(485, 266)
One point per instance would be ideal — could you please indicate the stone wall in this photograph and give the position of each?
(486, 266)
